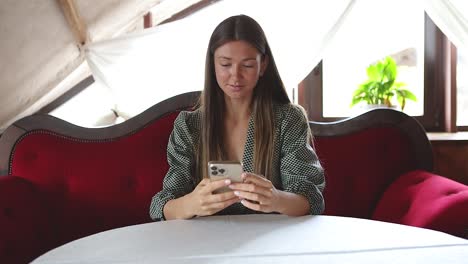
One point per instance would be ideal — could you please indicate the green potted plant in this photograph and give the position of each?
(381, 86)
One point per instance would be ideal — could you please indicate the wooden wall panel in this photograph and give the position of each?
(451, 159)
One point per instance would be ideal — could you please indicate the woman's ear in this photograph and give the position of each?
(264, 64)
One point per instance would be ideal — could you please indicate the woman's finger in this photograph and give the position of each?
(254, 206)
(255, 197)
(256, 179)
(214, 185)
(213, 208)
(203, 182)
(251, 187)
(221, 197)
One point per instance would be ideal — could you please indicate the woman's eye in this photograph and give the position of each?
(248, 66)
(225, 65)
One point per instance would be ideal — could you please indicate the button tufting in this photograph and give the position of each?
(448, 193)
(418, 181)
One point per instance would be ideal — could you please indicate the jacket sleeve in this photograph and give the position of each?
(178, 180)
(301, 171)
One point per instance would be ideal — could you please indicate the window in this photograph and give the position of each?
(367, 37)
(326, 92)
(91, 107)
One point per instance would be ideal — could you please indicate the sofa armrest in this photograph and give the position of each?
(423, 199)
(24, 224)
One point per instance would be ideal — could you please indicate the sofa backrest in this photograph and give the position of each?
(363, 155)
(94, 179)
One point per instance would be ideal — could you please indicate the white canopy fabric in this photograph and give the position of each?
(147, 67)
(451, 16)
(144, 68)
(40, 59)
(38, 49)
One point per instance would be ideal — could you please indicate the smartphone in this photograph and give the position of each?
(221, 170)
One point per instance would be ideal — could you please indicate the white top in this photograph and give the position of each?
(264, 239)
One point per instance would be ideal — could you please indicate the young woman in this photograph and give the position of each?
(244, 115)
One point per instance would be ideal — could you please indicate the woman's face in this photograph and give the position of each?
(238, 66)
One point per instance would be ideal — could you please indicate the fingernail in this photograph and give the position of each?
(227, 182)
(237, 193)
(243, 175)
(231, 186)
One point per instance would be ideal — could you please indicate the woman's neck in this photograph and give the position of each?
(237, 111)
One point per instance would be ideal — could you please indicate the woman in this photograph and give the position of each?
(245, 115)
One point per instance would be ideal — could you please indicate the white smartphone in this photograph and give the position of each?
(220, 170)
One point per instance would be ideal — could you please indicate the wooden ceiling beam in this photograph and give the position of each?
(74, 20)
(190, 10)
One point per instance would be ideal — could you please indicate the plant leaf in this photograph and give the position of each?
(390, 69)
(381, 86)
(409, 95)
(373, 72)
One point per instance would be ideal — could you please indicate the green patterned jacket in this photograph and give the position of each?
(296, 166)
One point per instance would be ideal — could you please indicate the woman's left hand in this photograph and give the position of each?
(257, 193)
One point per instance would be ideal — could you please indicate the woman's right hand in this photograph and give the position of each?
(203, 202)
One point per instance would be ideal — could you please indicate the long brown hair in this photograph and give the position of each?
(269, 90)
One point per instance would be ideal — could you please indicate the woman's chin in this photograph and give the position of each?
(237, 95)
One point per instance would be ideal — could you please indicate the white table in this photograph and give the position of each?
(264, 239)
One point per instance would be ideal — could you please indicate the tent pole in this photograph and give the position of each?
(74, 20)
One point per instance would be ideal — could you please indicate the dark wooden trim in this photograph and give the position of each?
(85, 83)
(450, 87)
(310, 93)
(382, 117)
(51, 124)
(148, 20)
(432, 119)
(189, 10)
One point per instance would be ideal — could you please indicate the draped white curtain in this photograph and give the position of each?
(451, 16)
(141, 69)
(144, 68)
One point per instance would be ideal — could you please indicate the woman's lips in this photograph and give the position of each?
(236, 87)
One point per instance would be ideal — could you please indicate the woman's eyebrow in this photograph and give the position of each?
(228, 58)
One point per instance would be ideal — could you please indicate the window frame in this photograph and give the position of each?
(440, 102)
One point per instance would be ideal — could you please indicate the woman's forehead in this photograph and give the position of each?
(237, 48)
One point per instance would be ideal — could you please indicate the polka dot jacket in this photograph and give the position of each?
(296, 168)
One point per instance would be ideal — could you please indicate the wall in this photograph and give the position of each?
(451, 159)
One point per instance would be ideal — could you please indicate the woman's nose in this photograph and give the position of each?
(235, 71)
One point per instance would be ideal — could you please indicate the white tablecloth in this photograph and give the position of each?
(264, 239)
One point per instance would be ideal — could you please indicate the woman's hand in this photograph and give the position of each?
(203, 202)
(257, 193)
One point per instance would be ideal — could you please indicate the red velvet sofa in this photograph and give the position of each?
(60, 182)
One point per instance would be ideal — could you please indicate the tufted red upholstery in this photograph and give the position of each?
(59, 187)
(360, 166)
(92, 186)
(69, 188)
(420, 198)
(25, 224)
